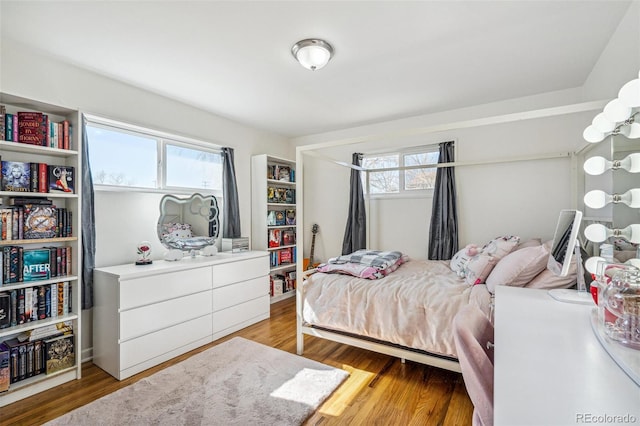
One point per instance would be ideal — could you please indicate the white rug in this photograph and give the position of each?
(239, 382)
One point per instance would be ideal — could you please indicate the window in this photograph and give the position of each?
(131, 157)
(402, 172)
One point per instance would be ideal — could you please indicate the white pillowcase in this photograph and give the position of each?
(518, 268)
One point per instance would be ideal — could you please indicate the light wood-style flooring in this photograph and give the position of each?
(381, 390)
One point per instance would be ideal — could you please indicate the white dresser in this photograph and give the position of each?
(145, 315)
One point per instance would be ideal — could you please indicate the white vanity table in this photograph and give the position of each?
(145, 315)
(550, 368)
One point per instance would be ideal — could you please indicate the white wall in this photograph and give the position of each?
(125, 219)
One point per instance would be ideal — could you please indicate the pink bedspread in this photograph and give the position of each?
(412, 307)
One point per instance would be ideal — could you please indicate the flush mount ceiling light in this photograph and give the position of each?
(312, 53)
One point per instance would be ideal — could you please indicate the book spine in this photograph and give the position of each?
(28, 303)
(43, 175)
(65, 131)
(34, 300)
(42, 303)
(34, 177)
(30, 359)
(38, 357)
(22, 313)
(53, 294)
(3, 113)
(8, 125)
(60, 299)
(68, 263)
(14, 308)
(67, 298)
(47, 299)
(14, 122)
(14, 358)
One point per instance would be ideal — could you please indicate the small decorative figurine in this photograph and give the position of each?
(144, 250)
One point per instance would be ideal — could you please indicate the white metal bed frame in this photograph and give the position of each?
(302, 328)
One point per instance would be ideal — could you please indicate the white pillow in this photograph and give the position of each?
(459, 262)
(518, 268)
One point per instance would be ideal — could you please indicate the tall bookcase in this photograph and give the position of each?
(273, 212)
(70, 203)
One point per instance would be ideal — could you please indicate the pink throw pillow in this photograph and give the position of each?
(518, 268)
(479, 268)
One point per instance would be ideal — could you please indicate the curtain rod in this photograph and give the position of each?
(452, 164)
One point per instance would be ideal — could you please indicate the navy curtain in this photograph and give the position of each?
(88, 223)
(230, 206)
(443, 229)
(355, 236)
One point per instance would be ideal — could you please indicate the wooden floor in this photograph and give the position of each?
(381, 390)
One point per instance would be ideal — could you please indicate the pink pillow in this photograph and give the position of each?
(548, 280)
(479, 268)
(501, 246)
(529, 243)
(518, 268)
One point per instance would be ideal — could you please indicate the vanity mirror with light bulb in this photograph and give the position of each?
(612, 176)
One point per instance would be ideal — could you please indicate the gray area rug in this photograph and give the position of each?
(239, 382)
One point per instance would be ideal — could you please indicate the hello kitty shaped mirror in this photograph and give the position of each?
(188, 225)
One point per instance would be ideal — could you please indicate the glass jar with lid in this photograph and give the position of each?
(621, 304)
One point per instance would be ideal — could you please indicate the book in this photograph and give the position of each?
(31, 128)
(5, 378)
(288, 237)
(280, 218)
(290, 217)
(8, 127)
(16, 176)
(43, 178)
(59, 353)
(40, 221)
(5, 310)
(36, 264)
(61, 178)
(3, 112)
(274, 238)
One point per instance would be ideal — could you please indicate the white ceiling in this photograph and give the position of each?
(392, 59)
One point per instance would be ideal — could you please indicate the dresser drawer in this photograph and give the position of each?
(150, 318)
(229, 317)
(233, 272)
(147, 290)
(149, 346)
(234, 294)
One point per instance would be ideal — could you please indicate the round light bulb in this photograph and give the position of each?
(597, 199)
(596, 232)
(631, 233)
(631, 131)
(629, 94)
(631, 198)
(631, 163)
(603, 124)
(592, 134)
(616, 111)
(596, 165)
(591, 264)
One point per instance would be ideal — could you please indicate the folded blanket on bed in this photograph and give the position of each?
(378, 259)
(369, 264)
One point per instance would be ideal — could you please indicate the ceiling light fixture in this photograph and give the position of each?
(312, 53)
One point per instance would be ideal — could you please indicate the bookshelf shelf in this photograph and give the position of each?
(37, 194)
(36, 324)
(14, 290)
(35, 149)
(37, 241)
(273, 219)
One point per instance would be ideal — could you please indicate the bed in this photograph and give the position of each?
(408, 313)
